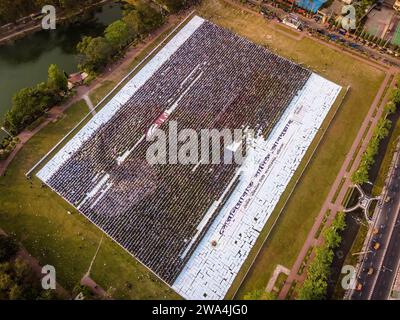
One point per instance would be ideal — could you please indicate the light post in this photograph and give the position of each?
(4, 129)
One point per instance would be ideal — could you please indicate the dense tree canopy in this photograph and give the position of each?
(118, 34)
(19, 282)
(17, 279)
(95, 52)
(30, 103)
(57, 80)
(173, 5)
(140, 18)
(8, 247)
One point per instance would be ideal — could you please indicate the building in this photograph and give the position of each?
(76, 79)
(396, 5)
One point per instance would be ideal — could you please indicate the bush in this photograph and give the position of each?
(7, 146)
(8, 248)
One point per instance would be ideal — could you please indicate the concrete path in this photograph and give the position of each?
(278, 270)
(89, 103)
(94, 287)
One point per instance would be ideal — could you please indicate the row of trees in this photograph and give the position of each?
(381, 42)
(140, 18)
(316, 284)
(12, 10)
(30, 103)
(381, 131)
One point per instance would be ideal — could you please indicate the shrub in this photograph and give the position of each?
(8, 247)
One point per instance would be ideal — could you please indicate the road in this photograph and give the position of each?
(385, 260)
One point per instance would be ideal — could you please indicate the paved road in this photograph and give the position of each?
(385, 260)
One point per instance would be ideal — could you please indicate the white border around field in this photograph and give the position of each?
(263, 177)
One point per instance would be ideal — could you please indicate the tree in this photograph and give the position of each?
(361, 176)
(18, 281)
(340, 221)
(118, 34)
(391, 107)
(396, 96)
(8, 247)
(316, 284)
(173, 5)
(133, 23)
(150, 18)
(95, 53)
(332, 238)
(57, 80)
(27, 105)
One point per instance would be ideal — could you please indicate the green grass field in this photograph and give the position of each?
(396, 36)
(39, 217)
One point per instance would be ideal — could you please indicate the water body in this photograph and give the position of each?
(25, 62)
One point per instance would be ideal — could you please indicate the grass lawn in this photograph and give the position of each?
(101, 91)
(291, 229)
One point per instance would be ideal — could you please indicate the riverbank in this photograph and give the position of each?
(18, 31)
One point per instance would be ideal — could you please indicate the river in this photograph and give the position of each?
(25, 62)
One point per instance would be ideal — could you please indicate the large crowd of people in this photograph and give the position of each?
(216, 80)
